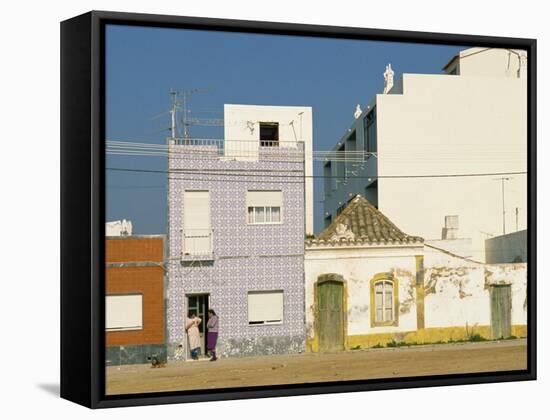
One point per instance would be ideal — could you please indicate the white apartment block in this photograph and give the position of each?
(469, 121)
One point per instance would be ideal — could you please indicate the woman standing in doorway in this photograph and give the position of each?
(212, 337)
(192, 327)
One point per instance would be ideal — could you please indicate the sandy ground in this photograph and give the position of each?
(315, 367)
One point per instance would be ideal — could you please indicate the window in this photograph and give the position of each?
(265, 307)
(123, 312)
(327, 174)
(369, 126)
(264, 207)
(328, 220)
(269, 134)
(197, 232)
(384, 300)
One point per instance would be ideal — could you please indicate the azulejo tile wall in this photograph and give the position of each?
(246, 257)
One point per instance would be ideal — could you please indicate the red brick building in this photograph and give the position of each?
(134, 302)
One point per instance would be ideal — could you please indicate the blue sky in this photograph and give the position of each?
(143, 64)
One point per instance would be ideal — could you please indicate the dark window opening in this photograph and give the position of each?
(369, 126)
(269, 134)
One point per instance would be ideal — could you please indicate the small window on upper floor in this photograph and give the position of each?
(264, 207)
(269, 134)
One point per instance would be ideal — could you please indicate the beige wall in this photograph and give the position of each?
(358, 266)
(445, 124)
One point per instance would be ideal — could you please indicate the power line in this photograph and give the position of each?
(247, 174)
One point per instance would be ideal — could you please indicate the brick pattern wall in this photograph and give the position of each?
(146, 280)
(134, 249)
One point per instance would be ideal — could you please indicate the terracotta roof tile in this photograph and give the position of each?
(361, 222)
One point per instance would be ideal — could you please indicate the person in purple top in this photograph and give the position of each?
(212, 336)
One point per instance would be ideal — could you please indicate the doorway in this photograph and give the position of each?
(501, 311)
(330, 295)
(199, 304)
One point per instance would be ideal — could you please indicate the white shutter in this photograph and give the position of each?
(196, 223)
(124, 312)
(264, 199)
(265, 307)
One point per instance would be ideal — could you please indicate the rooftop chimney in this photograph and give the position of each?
(450, 231)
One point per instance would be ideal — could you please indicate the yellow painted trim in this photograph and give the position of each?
(420, 293)
(429, 336)
(380, 277)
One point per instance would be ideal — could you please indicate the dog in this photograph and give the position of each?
(156, 362)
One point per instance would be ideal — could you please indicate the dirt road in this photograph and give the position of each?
(315, 367)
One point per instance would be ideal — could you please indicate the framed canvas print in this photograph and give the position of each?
(254, 209)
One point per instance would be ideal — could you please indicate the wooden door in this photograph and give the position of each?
(501, 311)
(331, 316)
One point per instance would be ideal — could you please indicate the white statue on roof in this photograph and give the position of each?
(358, 111)
(388, 78)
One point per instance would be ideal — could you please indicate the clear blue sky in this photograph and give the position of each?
(143, 64)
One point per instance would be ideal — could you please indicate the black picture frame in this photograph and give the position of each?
(83, 207)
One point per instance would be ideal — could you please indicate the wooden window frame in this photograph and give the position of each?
(380, 277)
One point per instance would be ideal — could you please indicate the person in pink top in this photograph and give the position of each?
(192, 327)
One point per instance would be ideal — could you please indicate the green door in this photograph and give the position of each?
(331, 316)
(501, 311)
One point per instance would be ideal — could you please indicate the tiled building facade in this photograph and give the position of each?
(239, 260)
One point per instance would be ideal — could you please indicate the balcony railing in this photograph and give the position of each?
(245, 149)
(198, 244)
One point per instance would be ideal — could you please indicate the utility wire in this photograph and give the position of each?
(246, 174)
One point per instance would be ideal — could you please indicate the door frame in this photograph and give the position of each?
(324, 278)
(204, 320)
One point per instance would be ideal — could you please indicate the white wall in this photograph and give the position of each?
(242, 136)
(458, 290)
(490, 62)
(445, 124)
(358, 266)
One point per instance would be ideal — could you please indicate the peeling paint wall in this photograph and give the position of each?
(456, 293)
(358, 266)
(457, 290)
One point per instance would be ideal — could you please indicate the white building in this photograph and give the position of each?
(369, 284)
(248, 128)
(471, 120)
(118, 228)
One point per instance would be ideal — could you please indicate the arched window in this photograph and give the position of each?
(384, 300)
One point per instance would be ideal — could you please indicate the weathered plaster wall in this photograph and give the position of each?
(456, 293)
(358, 266)
(457, 290)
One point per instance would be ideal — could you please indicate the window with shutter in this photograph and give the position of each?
(384, 300)
(265, 307)
(123, 312)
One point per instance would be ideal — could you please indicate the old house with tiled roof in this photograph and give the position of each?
(368, 283)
